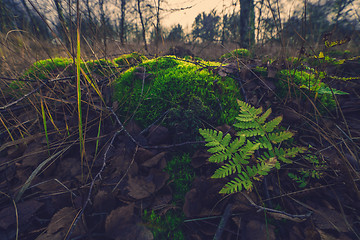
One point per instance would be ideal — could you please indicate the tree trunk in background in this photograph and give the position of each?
(3, 22)
(103, 24)
(34, 25)
(247, 23)
(122, 22)
(158, 31)
(90, 24)
(64, 30)
(142, 24)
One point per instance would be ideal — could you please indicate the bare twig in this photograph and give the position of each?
(45, 83)
(223, 221)
(279, 214)
(98, 175)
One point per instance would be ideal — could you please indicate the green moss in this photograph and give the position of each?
(181, 174)
(170, 83)
(165, 227)
(102, 67)
(131, 59)
(43, 69)
(169, 226)
(261, 71)
(310, 83)
(237, 53)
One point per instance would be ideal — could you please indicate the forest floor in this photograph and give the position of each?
(124, 185)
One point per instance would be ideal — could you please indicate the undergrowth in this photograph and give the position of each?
(169, 225)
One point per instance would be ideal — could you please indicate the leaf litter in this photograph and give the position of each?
(134, 179)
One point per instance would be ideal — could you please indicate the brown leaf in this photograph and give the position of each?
(161, 200)
(133, 128)
(68, 168)
(158, 177)
(104, 201)
(152, 162)
(121, 162)
(122, 224)
(199, 158)
(25, 211)
(158, 135)
(134, 231)
(257, 230)
(119, 217)
(34, 155)
(143, 154)
(60, 224)
(326, 219)
(140, 188)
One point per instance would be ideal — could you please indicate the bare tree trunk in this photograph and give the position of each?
(259, 21)
(103, 24)
(3, 15)
(247, 23)
(122, 21)
(158, 30)
(64, 30)
(34, 25)
(142, 25)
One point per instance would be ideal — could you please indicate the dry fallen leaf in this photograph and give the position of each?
(25, 211)
(60, 224)
(140, 188)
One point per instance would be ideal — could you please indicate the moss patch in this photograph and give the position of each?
(44, 69)
(158, 85)
(101, 67)
(237, 53)
(309, 82)
(131, 59)
(169, 226)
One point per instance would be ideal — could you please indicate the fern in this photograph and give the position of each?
(255, 133)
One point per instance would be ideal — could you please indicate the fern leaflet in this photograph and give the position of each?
(238, 154)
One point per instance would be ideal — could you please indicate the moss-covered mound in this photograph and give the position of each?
(101, 67)
(131, 59)
(237, 53)
(44, 69)
(167, 83)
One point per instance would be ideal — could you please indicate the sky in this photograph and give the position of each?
(187, 17)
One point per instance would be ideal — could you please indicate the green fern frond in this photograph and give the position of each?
(237, 185)
(238, 153)
(236, 144)
(246, 125)
(264, 143)
(238, 159)
(245, 117)
(266, 156)
(282, 155)
(248, 150)
(292, 152)
(215, 140)
(219, 157)
(264, 116)
(224, 171)
(245, 107)
(270, 126)
(253, 132)
(280, 136)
